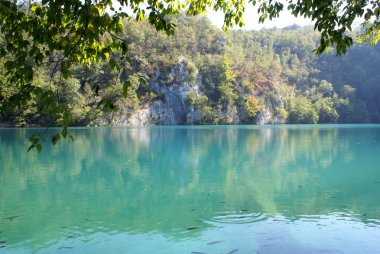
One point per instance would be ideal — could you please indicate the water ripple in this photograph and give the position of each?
(239, 218)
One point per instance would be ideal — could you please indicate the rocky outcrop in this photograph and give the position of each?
(264, 117)
(268, 114)
(172, 107)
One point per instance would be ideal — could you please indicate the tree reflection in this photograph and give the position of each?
(174, 180)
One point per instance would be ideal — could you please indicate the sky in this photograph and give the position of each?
(251, 18)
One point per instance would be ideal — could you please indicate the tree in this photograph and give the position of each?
(60, 34)
(76, 31)
(302, 112)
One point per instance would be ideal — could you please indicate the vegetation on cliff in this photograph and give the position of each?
(267, 76)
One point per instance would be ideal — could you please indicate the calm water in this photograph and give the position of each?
(295, 189)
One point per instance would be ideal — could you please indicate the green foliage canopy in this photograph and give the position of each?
(76, 31)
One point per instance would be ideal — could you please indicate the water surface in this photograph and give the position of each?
(235, 189)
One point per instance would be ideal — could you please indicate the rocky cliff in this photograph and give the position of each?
(173, 108)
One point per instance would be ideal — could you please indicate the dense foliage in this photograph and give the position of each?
(268, 76)
(60, 34)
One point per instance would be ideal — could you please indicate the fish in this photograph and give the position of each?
(215, 242)
(3, 241)
(266, 245)
(197, 252)
(244, 210)
(65, 247)
(271, 238)
(365, 214)
(70, 236)
(232, 251)
(12, 217)
(191, 228)
(376, 182)
(2, 246)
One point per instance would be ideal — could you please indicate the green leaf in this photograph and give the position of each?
(126, 86)
(64, 132)
(112, 63)
(31, 147)
(72, 138)
(142, 80)
(39, 147)
(124, 47)
(33, 8)
(56, 138)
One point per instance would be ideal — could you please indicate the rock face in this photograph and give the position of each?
(263, 117)
(172, 108)
(140, 118)
(267, 115)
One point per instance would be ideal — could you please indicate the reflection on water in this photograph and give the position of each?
(193, 189)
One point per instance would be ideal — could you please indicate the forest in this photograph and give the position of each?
(203, 75)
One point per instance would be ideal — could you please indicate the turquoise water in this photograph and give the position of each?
(279, 189)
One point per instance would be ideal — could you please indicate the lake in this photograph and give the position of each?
(227, 189)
